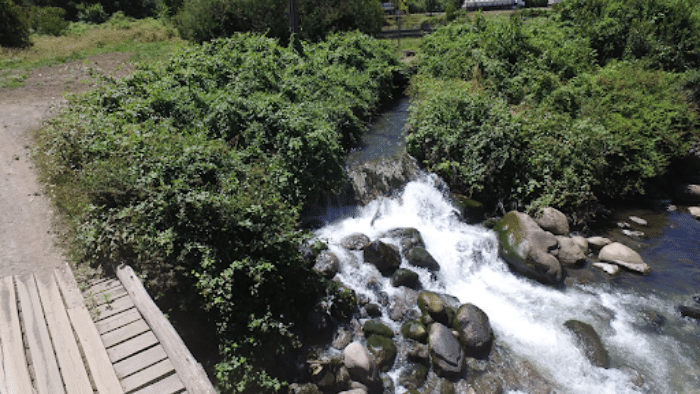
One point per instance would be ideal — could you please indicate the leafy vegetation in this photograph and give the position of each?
(14, 25)
(194, 172)
(526, 113)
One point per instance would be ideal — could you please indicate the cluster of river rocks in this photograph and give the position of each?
(445, 346)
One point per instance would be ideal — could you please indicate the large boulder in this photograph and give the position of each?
(525, 247)
(624, 256)
(419, 257)
(470, 210)
(327, 264)
(356, 241)
(570, 253)
(404, 277)
(445, 352)
(374, 327)
(474, 330)
(597, 243)
(361, 365)
(409, 237)
(552, 220)
(384, 256)
(589, 342)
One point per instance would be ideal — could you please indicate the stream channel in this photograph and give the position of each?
(657, 355)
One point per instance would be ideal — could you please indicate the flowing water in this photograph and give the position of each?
(527, 317)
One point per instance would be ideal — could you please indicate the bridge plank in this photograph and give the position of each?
(120, 305)
(47, 376)
(132, 346)
(188, 369)
(169, 385)
(14, 376)
(70, 361)
(96, 356)
(148, 375)
(118, 320)
(105, 285)
(125, 332)
(139, 361)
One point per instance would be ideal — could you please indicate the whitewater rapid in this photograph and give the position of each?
(527, 317)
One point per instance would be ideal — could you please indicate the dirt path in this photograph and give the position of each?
(28, 230)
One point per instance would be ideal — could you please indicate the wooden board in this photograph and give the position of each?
(111, 295)
(169, 385)
(70, 361)
(139, 361)
(96, 356)
(47, 376)
(107, 284)
(132, 346)
(123, 333)
(115, 321)
(148, 375)
(120, 305)
(188, 369)
(14, 377)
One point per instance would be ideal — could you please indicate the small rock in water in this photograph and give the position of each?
(633, 233)
(689, 311)
(694, 212)
(638, 220)
(696, 298)
(623, 225)
(373, 310)
(589, 342)
(622, 255)
(671, 208)
(356, 241)
(597, 243)
(654, 319)
(611, 269)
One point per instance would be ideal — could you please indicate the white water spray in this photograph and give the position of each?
(527, 317)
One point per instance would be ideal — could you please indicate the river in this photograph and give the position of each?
(528, 317)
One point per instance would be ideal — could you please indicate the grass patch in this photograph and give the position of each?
(148, 39)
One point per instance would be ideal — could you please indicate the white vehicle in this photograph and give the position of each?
(504, 4)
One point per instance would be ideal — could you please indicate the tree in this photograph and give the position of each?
(14, 25)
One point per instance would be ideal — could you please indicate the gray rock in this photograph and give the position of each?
(624, 256)
(354, 391)
(308, 388)
(475, 331)
(446, 354)
(470, 210)
(327, 264)
(384, 256)
(402, 305)
(343, 337)
(488, 384)
(597, 243)
(409, 237)
(570, 253)
(633, 233)
(419, 257)
(589, 342)
(360, 364)
(581, 242)
(638, 220)
(355, 241)
(418, 353)
(553, 220)
(524, 246)
(610, 269)
(688, 192)
(694, 212)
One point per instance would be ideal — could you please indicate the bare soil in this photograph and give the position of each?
(29, 230)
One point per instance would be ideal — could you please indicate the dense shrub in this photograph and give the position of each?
(517, 112)
(14, 25)
(91, 13)
(202, 20)
(194, 173)
(48, 20)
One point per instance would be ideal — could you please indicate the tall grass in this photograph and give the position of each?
(146, 39)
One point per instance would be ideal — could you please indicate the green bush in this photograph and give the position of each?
(519, 113)
(14, 25)
(48, 20)
(91, 13)
(195, 171)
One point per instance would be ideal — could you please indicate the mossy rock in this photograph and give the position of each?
(472, 211)
(413, 329)
(384, 351)
(589, 342)
(419, 257)
(373, 327)
(413, 376)
(404, 277)
(433, 306)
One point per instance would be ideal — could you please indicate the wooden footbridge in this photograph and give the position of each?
(51, 343)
